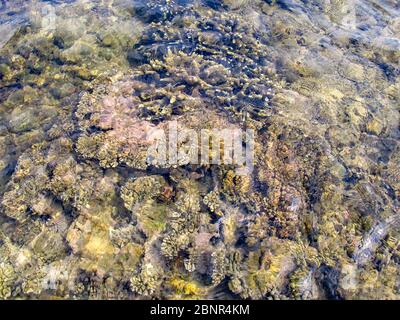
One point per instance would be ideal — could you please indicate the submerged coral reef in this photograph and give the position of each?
(85, 212)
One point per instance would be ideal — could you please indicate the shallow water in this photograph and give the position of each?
(84, 214)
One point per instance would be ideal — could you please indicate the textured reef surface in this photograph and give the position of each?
(86, 214)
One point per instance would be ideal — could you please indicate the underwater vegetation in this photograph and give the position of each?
(86, 214)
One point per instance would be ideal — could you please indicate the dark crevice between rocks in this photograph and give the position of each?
(328, 280)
